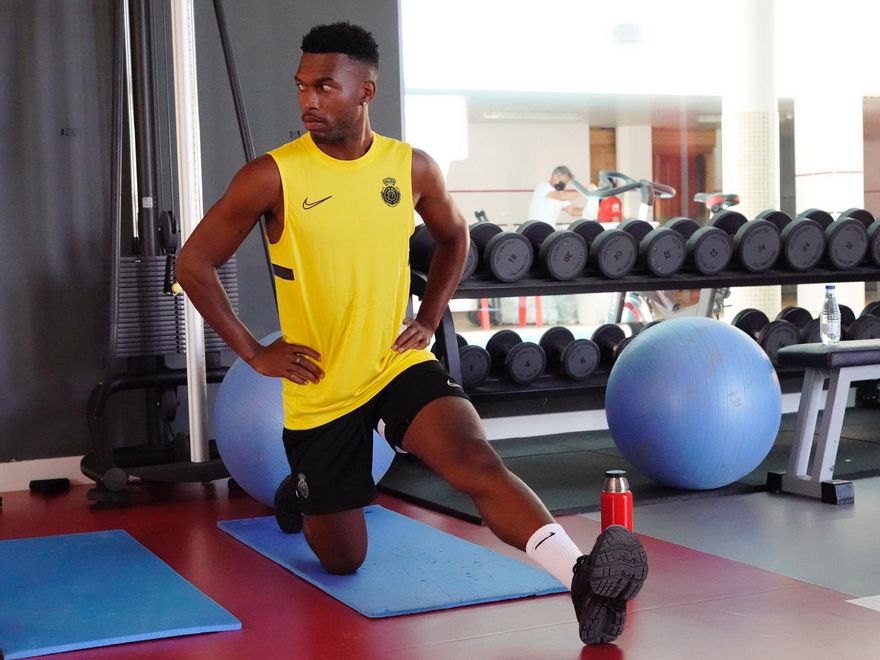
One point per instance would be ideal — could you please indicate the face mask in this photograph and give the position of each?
(560, 185)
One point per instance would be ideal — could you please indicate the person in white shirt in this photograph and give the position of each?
(551, 198)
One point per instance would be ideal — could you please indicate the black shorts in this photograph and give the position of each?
(332, 464)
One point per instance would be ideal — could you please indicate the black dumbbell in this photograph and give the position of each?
(611, 340)
(808, 327)
(506, 255)
(475, 362)
(872, 227)
(709, 249)
(771, 335)
(561, 253)
(757, 244)
(867, 326)
(576, 358)
(872, 308)
(421, 251)
(520, 361)
(610, 251)
(803, 239)
(662, 251)
(846, 239)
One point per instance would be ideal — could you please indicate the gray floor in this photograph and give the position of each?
(832, 546)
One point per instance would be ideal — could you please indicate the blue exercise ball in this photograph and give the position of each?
(248, 423)
(693, 403)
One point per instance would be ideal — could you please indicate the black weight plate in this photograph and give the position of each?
(778, 218)
(729, 221)
(846, 243)
(638, 229)
(563, 254)
(872, 308)
(751, 321)
(471, 261)
(461, 341)
(581, 357)
(757, 245)
(864, 327)
(475, 365)
(421, 248)
(874, 243)
(554, 341)
(614, 253)
(606, 337)
(861, 215)
(847, 315)
(508, 256)
(776, 335)
(525, 362)
(710, 250)
(500, 343)
(797, 315)
(810, 333)
(663, 251)
(482, 232)
(822, 217)
(619, 348)
(803, 244)
(684, 226)
(587, 230)
(536, 231)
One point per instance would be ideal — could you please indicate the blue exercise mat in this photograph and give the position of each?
(80, 591)
(409, 568)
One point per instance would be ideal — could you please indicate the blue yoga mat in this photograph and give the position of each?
(409, 568)
(79, 591)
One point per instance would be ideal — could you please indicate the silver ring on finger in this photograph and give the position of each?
(298, 358)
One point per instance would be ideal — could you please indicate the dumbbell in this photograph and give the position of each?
(872, 227)
(867, 326)
(520, 361)
(771, 335)
(709, 249)
(475, 361)
(846, 239)
(561, 253)
(808, 327)
(576, 358)
(611, 341)
(610, 251)
(421, 251)
(506, 255)
(756, 244)
(662, 251)
(803, 239)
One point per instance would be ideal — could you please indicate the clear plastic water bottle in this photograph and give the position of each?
(829, 321)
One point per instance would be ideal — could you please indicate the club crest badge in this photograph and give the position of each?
(390, 193)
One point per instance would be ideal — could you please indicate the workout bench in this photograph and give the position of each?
(841, 364)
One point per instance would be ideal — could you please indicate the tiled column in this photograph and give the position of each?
(750, 129)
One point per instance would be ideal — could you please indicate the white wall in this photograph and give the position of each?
(508, 159)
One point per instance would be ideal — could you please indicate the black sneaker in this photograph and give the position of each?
(604, 580)
(287, 513)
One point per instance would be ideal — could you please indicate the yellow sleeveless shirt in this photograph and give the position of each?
(342, 272)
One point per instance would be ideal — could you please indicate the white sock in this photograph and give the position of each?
(554, 551)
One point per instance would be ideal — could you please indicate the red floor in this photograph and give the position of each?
(694, 605)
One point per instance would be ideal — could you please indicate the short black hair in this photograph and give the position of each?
(345, 38)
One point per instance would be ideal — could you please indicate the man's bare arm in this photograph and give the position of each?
(449, 228)
(254, 190)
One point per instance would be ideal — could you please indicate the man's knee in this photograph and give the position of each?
(476, 466)
(342, 563)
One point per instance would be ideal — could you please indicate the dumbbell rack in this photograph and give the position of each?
(552, 393)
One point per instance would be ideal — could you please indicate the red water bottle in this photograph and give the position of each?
(616, 500)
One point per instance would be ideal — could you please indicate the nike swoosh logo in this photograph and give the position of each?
(310, 205)
(550, 535)
(452, 383)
